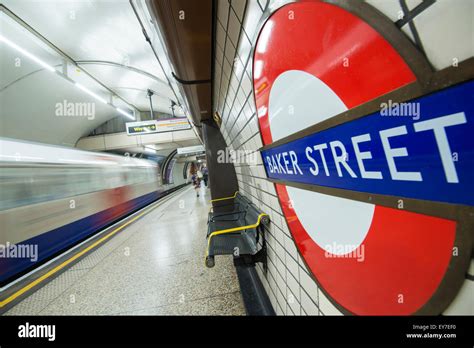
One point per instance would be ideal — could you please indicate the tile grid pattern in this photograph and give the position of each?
(288, 282)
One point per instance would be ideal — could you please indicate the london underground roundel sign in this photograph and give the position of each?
(312, 61)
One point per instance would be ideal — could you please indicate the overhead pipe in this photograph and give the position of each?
(149, 94)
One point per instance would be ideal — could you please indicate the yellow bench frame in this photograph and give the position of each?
(222, 199)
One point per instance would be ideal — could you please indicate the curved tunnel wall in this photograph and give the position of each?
(167, 168)
(289, 282)
(173, 170)
(178, 177)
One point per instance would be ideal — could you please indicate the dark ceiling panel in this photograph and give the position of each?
(186, 26)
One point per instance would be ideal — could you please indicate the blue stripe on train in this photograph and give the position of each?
(61, 238)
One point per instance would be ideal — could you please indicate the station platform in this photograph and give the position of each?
(335, 137)
(153, 266)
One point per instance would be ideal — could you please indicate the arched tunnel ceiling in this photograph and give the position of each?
(133, 87)
(86, 31)
(31, 114)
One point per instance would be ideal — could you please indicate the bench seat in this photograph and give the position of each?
(234, 228)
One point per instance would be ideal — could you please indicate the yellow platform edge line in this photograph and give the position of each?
(68, 261)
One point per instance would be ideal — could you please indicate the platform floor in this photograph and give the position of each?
(155, 266)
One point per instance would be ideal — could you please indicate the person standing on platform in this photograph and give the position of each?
(196, 182)
(205, 175)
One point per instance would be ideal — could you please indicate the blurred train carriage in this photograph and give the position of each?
(54, 197)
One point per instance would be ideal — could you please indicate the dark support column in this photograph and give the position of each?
(222, 178)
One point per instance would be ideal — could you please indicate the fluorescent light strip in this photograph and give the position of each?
(125, 113)
(88, 91)
(27, 54)
(52, 69)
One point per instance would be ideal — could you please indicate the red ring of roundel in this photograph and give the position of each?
(406, 254)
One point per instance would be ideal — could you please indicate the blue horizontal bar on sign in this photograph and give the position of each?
(421, 149)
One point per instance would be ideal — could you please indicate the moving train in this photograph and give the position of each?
(53, 197)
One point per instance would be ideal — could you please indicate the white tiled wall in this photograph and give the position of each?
(288, 282)
(446, 28)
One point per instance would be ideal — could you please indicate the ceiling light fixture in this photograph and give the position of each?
(88, 91)
(52, 69)
(126, 114)
(27, 54)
